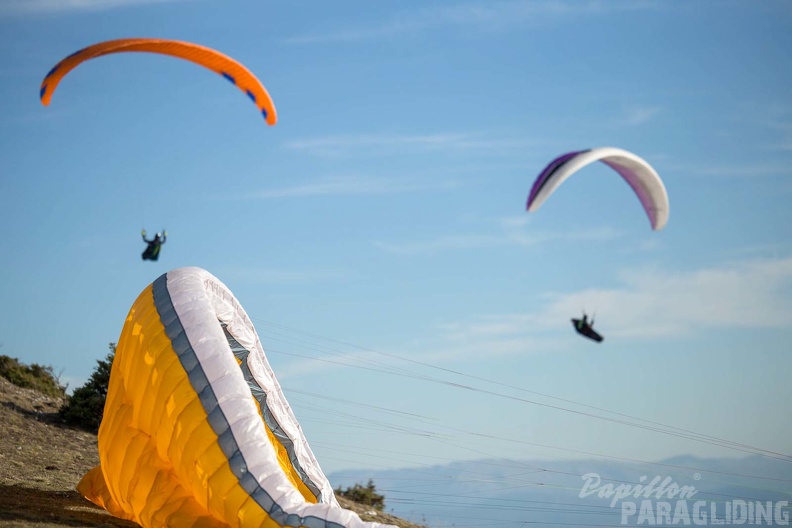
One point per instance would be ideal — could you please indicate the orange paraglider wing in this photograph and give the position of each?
(206, 57)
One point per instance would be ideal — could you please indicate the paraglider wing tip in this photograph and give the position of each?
(271, 119)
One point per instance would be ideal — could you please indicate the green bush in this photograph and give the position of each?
(34, 376)
(363, 495)
(85, 407)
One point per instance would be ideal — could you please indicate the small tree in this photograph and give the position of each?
(85, 407)
(364, 495)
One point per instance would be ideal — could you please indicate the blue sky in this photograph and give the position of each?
(377, 234)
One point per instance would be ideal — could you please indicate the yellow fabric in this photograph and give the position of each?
(160, 461)
(286, 465)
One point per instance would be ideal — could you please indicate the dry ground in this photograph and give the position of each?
(41, 461)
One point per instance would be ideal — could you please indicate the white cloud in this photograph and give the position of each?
(379, 31)
(475, 16)
(384, 144)
(648, 305)
(638, 115)
(770, 249)
(487, 327)
(652, 303)
(308, 363)
(454, 242)
(18, 7)
(756, 170)
(316, 357)
(507, 237)
(752, 294)
(281, 276)
(778, 118)
(785, 144)
(350, 185)
(770, 122)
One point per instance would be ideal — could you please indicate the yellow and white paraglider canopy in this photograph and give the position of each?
(196, 429)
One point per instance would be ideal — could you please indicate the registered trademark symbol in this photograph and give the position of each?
(696, 476)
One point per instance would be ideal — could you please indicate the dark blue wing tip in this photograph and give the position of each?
(42, 91)
(264, 113)
(230, 78)
(53, 70)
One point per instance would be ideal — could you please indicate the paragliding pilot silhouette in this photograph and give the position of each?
(153, 249)
(585, 328)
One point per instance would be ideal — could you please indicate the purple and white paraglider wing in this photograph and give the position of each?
(637, 172)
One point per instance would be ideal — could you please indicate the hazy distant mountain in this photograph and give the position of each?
(521, 493)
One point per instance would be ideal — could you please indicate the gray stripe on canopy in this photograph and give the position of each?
(217, 419)
(241, 354)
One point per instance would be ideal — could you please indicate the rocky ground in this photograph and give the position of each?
(41, 461)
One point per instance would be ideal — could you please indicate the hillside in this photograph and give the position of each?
(41, 462)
